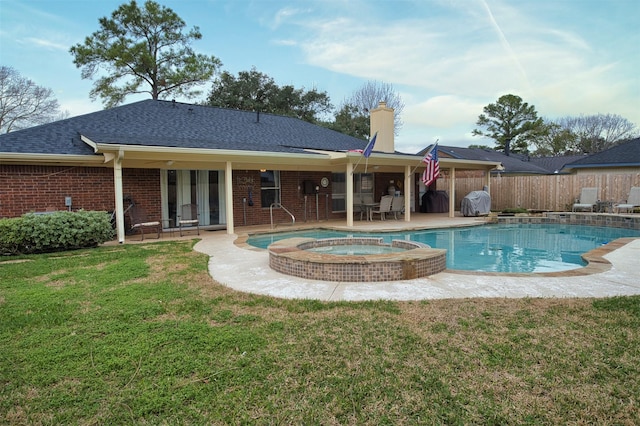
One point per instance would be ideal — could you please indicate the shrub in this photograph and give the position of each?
(57, 231)
(515, 210)
(11, 239)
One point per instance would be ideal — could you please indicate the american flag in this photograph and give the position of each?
(432, 169)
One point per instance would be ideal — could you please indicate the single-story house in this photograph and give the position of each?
(513, 164)
(239, 167)
(622, 158)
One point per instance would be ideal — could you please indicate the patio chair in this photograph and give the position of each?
(359, 209)
(140, 221)
(397, 206)
(632, 202)
(189, 217)
(588, 199)
(384, 208)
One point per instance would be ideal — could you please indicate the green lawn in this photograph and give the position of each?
(141, 334)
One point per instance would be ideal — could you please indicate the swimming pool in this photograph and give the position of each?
(515, 248)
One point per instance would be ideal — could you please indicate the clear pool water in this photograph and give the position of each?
(493, 248)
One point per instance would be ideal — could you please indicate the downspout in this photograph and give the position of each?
(228, 194)
(117, 181)
(349, 180)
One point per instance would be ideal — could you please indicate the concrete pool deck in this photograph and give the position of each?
(247, 269)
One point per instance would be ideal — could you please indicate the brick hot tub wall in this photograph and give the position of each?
(289, 257)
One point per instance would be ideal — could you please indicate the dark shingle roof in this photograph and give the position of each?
(554, 164)
(626, 154)
(513, 163)
(169, 124)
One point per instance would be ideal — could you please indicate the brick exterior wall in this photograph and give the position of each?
(292, 197)
(25, 189)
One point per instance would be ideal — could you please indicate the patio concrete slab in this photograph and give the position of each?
(248, 270)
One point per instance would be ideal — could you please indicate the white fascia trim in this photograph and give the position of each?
(102, 148)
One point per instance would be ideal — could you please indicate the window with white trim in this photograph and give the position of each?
(269, 187)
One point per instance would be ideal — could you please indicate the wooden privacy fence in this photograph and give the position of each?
(544, 192)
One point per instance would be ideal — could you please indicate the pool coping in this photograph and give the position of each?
(596, 262)
(248, 271)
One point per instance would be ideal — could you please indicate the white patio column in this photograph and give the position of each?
(228, 196)
(349, 200)
(117, 183)
(408, 189)
(452, 192)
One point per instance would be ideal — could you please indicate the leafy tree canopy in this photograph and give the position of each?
(143, 50)
(477, 146)
(584, 134)
(23, 103)
(511, 122)
(553, 140)
(351, 121)
(255, 91)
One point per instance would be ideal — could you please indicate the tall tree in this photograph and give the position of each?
(256, 91)
(23, 103)
(143, 50)
(511, 122)
(368, 97)
(552, 140)
(350, 121)
(595, 133)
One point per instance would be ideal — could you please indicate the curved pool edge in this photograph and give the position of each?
(241, 238)
(248, 271)
(596, 263)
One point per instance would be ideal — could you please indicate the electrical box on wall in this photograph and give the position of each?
(67, 201)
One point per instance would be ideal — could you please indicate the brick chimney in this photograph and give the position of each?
(381, 121)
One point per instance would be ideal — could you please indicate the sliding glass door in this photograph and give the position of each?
(202, 187)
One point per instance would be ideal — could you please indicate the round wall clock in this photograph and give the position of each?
(324, 182)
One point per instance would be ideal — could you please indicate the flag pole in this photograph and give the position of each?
(425, 156)
(354, 167)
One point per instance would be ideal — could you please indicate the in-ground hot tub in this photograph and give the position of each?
(400, 260)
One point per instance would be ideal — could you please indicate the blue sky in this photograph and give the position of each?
(446, 58)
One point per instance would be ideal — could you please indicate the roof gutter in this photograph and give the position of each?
(21, 158)
(600, 165)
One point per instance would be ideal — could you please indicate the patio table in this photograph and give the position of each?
(368, 207)
(604, 206)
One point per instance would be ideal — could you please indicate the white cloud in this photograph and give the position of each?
(48, 44)
(462, 62)
(443, 112)
(78, 106)
(283, 15)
